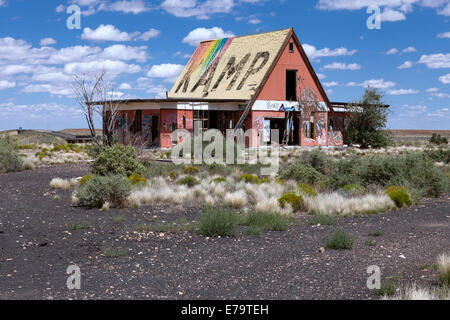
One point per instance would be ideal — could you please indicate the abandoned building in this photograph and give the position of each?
(262, 81)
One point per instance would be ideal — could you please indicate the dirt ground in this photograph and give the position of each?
(37, 246)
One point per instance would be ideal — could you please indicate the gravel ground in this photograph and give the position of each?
(36, 247)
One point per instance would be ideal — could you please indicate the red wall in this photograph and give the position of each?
(275, 88)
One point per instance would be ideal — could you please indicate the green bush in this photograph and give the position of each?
(437, 139)
(400, 196)
(118, 159)
(136, 180)
(84, 180)
(291, 198)
(9, 156)
(250, 178)
(266, 221)
(339, 240)
(322, 219)
(100, 189)
(189, 181)
(191, 170)
(218, 222)
(353, 189)
(301, 172)
(439, 155)
(306, 190)
(219, 180)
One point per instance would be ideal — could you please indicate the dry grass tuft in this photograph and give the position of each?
(63, 184)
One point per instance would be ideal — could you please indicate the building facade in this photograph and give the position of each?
(262, 82)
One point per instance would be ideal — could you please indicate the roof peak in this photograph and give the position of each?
(249, 35)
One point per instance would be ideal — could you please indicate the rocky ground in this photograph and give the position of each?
(38, 243)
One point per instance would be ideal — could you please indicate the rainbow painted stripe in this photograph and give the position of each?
(207, 54)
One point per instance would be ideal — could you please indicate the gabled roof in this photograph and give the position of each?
(230, 68)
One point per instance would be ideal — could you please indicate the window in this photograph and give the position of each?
(203, 117)
(291, 85)
(310, 130)
(291, 47)
(137, 122)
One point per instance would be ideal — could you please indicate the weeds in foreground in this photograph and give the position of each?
(339, 240)
(322, 219)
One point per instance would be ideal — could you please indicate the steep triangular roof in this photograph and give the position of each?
(230, 68)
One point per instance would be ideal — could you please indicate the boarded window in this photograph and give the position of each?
(136, 127)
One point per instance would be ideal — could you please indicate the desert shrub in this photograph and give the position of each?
(400, 196)
(118, 159)
(137, 179)
(218, 180)
(266, 221)
(100, 189)
(189, 181)
(301, 172)
(317, 159)
(353, 189)
(439, 155)
(173, 175)
(218, 222)
(306, 190)
(250, 178)
(437, 139)
(9, 156)
(339, 240)
(27, 147)
(84, 180)
(388, 288)
(191, 170)
(267, 180)
(322, 219)
(291, 198)
(444, 269)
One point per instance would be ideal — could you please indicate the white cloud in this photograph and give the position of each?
(152, 33)
(445, 11)
(314, 53)
(60, 8)
(436, 61)
(440, 113)
(444, 35)
(254, 21)
(122, 52)
(14, 69)
(5, 84)
(133, 6)
(47, 42)
(342, 66)
(373, 83)
(321, 76)
(433, 90)
(125, 86)
(405, 65)
(409, 50)
(111, 67)
(392, 51)
(441, 95)
(202, 34)
(389, 15)
(111, 33)
(105, 33)
(168, 71)
(331, 84)
(198, 9)
(445, 79)
(53, 89)
(402, 92)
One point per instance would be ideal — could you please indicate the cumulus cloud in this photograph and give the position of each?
(331, 84)
(373, 83)
(436, 61)
(445, 79)
(202, 34)
(342, 66)
(197, 9)
(169, 72)
(392, 51)
(5, 84)
(405, 65)
(314, 53)
(122, 52)
(397, 92)
(111, 67)
(47, 42)
(444, 35)
(409, 50)
(111, 33)
(389, 15)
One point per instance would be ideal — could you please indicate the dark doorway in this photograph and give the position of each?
(296, 138)
(291, 85)
(278, 124)
(155, 131)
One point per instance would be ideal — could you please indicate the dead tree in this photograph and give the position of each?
(95, 95)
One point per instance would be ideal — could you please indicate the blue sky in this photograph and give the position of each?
(143, 45)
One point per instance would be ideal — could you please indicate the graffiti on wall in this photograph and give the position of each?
(170, 122)
(318, 128)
